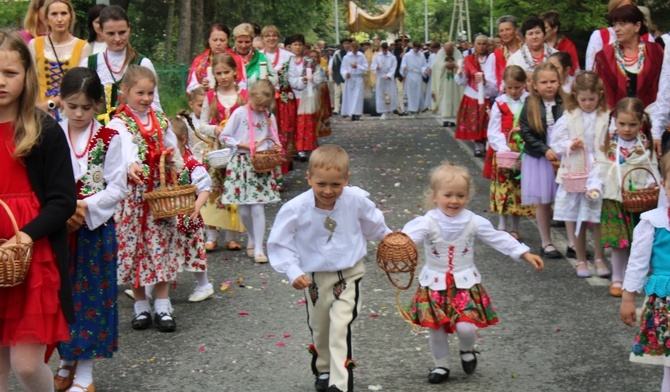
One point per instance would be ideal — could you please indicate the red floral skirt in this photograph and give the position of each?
(305, 136)
(446, 308)
(473, 120)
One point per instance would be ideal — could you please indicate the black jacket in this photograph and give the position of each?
(50, 174)
(337, 65)
(535, 143)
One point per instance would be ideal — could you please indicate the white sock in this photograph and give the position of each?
(142, 306)
(201, 278)
(438, 340)
(212, 234)
(85, 372)
(619, 261)
(65, 372)
(163, 305)
(258, 217)
(148, 291)
(665, 386)
(467, 336)
(232, 235)
(245, 216)
(502, 225)
(515, 223)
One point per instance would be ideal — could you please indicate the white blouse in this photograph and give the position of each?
(496, 138)
(661, 114)
(284, 56)
(295, 76)
(237, 129)
(116, 60)
(201, 179)
(204, 126)
(298, 243)
(101, 205)
(462, 79)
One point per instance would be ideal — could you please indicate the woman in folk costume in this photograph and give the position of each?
(55, 53)
(285, 107)
(218, 106)
(534, 51)
(410, 68)
(495, 65)
(386, 94)
(630, 67)
(446, 93)
(111, 64)
(352, 70)
(607, 36)
(216, 42)
(552, 27)
(473, 115)
(301, 76)
(256, 65)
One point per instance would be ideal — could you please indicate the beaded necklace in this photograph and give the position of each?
(621, 58)
(88, 142)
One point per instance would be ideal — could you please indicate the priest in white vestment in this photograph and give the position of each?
(354, 65)
(446, 92)
(386, 95)
(411, 68)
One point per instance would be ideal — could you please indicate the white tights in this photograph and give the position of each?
(619, 262)
(253, 218)
(439, 342)
(27, 362)
(513, 221)
(665, 386)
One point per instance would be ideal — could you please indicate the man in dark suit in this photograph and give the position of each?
(338, 81)
(399, 51)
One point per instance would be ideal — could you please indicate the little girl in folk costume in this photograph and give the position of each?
(451, 297)
(631, 147)
(506, 186)
(303, 78)
(145, 254)
(650, 252)
(245, 130)
(542, 108)
(100, 174)
(574, 138)
(473, 114)
(195, 101)
(191, 229)
(218, 106)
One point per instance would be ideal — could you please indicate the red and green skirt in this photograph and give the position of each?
(446, 308)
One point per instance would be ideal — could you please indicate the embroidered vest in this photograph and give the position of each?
(93, 181)
(223, 112)
(659, 280)
(141, 142)
(190, 164)
(111, 92)
(49, 72)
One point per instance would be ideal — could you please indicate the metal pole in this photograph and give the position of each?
(491, 19)
(425, 3)
(106, 2)
(337, 25)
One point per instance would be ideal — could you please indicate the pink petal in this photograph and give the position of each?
(287, 335)
(302, 302)
(243, 313)
(270, 336)
(280, 344)
(201, 348)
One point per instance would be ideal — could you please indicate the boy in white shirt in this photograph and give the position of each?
(318, 240)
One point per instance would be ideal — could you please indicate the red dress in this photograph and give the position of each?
(29, 312)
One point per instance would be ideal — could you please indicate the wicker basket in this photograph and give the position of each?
(267, 160)
(640, 200)
(508, 159)
(14, 259)
(218, 159)
(169, 201)
(397, 254)
(574, 181)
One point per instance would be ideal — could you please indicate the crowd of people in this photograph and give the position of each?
(558, 144)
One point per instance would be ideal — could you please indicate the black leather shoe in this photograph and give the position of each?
(141, 321)
(164, 322)
(479, 153)
(437, 378)
(302, 156)
(321, 384)
(552, 254)
(469, 366)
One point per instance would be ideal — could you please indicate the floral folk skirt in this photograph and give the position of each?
(506, 195)
(446, 308)
(473, 120)
(244, 186)
(652, 342)
(616, 225)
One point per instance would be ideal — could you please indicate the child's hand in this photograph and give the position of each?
(551, 155)
(593, 194)
(627, 312)
(516, 129)
(577, 143)
(301, 282)
(535, 260)
(135, 172)
(217, 130)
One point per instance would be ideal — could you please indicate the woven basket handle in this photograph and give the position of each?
(261, 141)
(623, 180)
(569, 166)
(161, 167)
(11, 217)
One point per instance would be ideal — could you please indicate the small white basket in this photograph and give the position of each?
(218, 159)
